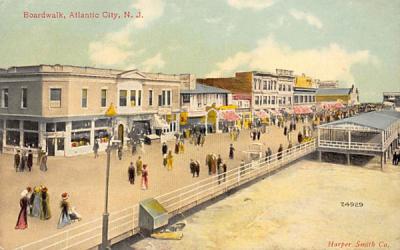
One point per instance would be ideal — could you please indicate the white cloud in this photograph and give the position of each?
(154, 63)
(251, 4)
(213, 19)
(330, 62)
(150, 10)
(309, 18)
(116, 48)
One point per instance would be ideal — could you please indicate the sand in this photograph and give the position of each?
(299, 208)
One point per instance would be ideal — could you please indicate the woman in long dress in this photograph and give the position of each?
(36, 202)
(43, 162)
(170, 160)
(44, 205)
(64, 219)
(22, 221)
(145, 180)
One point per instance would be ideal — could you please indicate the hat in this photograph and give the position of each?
(64, 196)
(37, 189)
(24, 193)
(44, 189)
(29, 189)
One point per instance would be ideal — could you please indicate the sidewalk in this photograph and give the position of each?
(83, 177)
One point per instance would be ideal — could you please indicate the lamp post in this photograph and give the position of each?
(110, 113)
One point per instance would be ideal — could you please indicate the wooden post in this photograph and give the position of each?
(349, 139)
(319, 155)
(382, 161)
(348, 159)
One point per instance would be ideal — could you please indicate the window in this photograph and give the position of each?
(301, 99)
(133, 98)
(13, 124)
(280, 87)
(186, 98)
(81, 124)
(169, 98)
(139, 98)
(289, 88)
(289, 100)
(84, 98)
(12, 138)
(166, 98)
(24, 98)
(296, 99)
(31, 139)
(101, 123)
(265, 100)
(273, 100)
(4, 98)
(122, 97)
(101, 135)
(79, 139)
(150, 97)
(53, 127)
(60, 126)
(31, 125)
(257, 100)
(103, 98)
(55, 98)
(265, 85)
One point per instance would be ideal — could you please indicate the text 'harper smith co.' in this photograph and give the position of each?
(110, 15)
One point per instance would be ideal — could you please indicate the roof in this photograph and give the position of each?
(379, 120)
(235, 85)
(205, 89)
(333, 91)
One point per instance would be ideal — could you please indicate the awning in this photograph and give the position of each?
(262, 114)
(229, 115)
(332, 105)
(159, 123)
(300, 110)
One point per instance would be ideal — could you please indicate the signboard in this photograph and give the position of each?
(183, 118)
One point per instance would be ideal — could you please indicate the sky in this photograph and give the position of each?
(355, 42)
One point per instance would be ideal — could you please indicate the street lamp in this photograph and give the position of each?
(110, 113)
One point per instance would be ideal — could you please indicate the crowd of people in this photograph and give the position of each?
(35, 202)
(23, 160)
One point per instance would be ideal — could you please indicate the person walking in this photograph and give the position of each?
(192, 166)
(139, 165)
(64, 219)
(394, 159)
(22, 221)
(164, 148)
(285, 131)
(131, 173)
(181, 147)
(224, 169)
(30, 200)
(43, 162)
(258, 134)
(177, 146)
(36, 202)
(219, 172)
(208, 163)
(202, 139)
(145, 180)
(299, 137)
(231, 151)
(120, 152)
(24, 159)
(29, 162)
(197, 168)
(214, 164)
(96, 148)
(170, 160)
(280, 149)
(219, 160)
(44, 205)
(17, 161)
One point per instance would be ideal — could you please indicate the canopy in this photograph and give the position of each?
(300, 110)
(159, 122)
(229, 115)
(332, 105)
(262, 114)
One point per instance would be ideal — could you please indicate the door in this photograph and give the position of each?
(121, 133)
(50, 143)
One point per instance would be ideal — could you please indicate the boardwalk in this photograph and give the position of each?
(83, 178)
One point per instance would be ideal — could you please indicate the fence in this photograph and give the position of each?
(126, 221)
(352, 145)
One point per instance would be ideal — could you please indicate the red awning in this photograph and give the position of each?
(230, 115)
(300, 110)
(262, 114)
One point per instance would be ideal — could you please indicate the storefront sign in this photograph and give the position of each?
(183, 118)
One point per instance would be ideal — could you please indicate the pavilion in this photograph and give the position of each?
(375, 134)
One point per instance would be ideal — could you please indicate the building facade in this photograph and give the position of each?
(348, 96)
(393, 97)
(62, 108)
